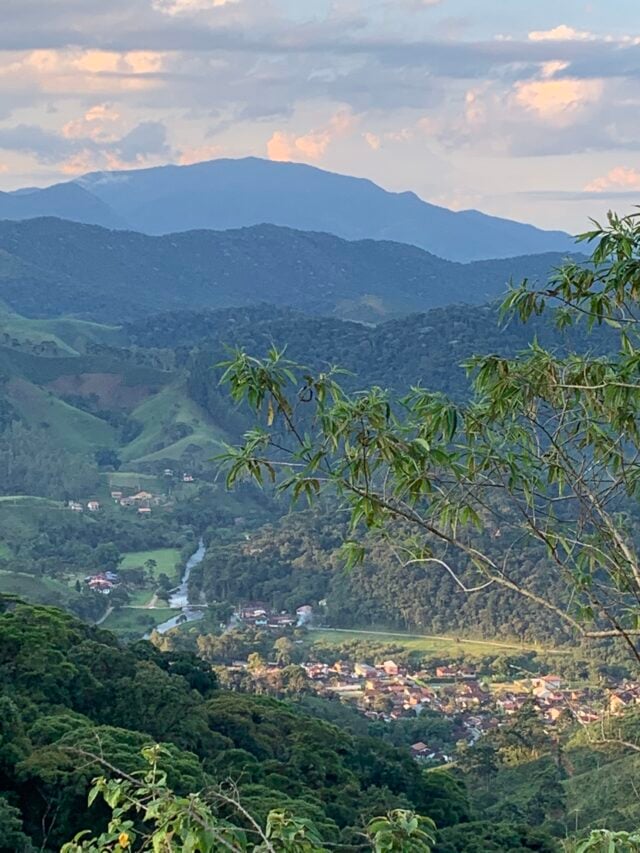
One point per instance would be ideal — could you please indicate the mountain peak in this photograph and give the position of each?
(234, 193)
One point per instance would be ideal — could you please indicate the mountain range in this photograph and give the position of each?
(50, 267)
(229, 194)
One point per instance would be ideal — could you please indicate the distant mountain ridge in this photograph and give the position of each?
(50, 267)
(227, 194)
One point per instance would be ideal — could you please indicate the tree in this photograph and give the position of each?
(284, 649)
(169, 822)
(256, 664)
(546, 451)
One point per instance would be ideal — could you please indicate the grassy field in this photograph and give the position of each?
(420, 643)
(163, 415)
(36, 589)
(166, 558)
(68, 427)
(133, 480)
(5, 551)
(136, 621)
(69, 335)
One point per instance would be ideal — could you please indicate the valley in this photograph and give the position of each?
(249, 591)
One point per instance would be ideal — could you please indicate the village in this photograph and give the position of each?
(389, 691)
(143, 501)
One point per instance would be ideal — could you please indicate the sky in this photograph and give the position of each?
(528, 109)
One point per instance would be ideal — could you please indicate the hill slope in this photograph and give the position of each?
(50, 267)
(222, 194)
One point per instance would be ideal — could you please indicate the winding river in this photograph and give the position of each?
(179, 598)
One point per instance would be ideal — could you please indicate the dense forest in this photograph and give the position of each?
(70, 692)
(51, 267)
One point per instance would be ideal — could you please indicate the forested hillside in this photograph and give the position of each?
(69, 692)
(50, 267)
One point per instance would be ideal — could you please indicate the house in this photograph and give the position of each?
(420, 750)
(621, 699)
(93, 506)
(253, 611)
(391, 667)
(74, 506)
(100, 583)
(142, 496)
(304, 614)
(117, 495)
(446, 672)
(187, 478)
(144, 510)
(168, 472)
(365, 671)
(551, 682)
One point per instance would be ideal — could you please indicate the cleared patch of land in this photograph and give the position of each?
(40, 590)
(136, 620)
(168, 563)
(419, 643)
(166, 559)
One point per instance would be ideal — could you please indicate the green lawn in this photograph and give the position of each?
(133, 480)
(5, 551)
(166, 558)
(136, 620)
(419, 642)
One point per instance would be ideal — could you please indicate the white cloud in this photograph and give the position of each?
(373, 140)
(561, 33)
(182, 7)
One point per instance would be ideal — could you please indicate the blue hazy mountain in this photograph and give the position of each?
(50, 267)
(223, 194)
(66, 201)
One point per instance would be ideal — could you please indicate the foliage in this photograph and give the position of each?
(536, 455)
(604, 841)
(69, 691)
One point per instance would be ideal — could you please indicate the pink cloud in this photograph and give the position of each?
(561, 33)
(620, 178)
(313, 145)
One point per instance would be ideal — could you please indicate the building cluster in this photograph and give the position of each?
(186, 477)
(143, 501)
(103, 582)
(78, 506)
(390, 692)
(257, 614)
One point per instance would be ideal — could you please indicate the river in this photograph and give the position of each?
(179, 598)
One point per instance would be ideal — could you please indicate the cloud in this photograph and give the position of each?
(558, 101)
(99, 123)
(310, 146)
(81, 147)
(199, 153)
(561, 33)
(619, 178)
(185, 7)
(373, 140)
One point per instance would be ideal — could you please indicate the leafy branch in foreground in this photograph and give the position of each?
(547, 449)
(148, 817)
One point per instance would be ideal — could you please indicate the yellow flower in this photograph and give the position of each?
(124, 840)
